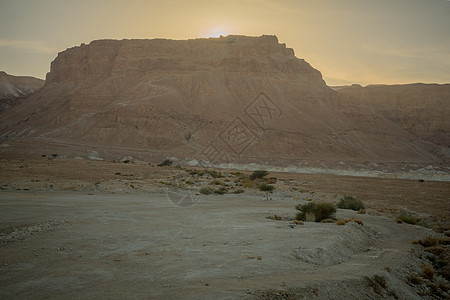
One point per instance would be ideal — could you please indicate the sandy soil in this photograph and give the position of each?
(89, 229)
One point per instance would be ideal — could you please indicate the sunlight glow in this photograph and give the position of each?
(217, 32)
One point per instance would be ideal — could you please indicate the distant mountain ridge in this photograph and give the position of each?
(12, 87)
(233, 99)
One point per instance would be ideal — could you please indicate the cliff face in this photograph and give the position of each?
(235, 98)
(422, 110)
(12, 87)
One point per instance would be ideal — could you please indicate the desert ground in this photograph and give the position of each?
(95, 229)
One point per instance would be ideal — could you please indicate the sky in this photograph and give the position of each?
(349, 41)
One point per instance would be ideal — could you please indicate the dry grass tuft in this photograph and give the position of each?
(341, 222)
(327, 221)
(345, 221)
(436, 250)
(428, 272)
(358, 221)
(414, 279)
(274, 217)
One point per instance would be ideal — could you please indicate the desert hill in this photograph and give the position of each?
(12, 87)
(233, 99)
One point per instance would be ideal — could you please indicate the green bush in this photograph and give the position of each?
(267, 188)
(258, 174)
(315, 211)
(411, 219)
(349, 202)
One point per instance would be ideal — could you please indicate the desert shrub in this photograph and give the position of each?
(444, 240)
(377, 283)
(238, 191)
(214, 174)
(271, 180)
(444, 286)
(410, 219)
(166, 162)
(206, 191)
(221, 191)
(433, 287)
(380, 280)
(267, 188)
(445, 272)
(258, 174)
(315, 211)
(264, 187)
(414, 279)
(428, 272)
(436, 250)
(349, 202)
(439, 264)
(217, 182)
(429, 241)
(192, 172)
(248, 183)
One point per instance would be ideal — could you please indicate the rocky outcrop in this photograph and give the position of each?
(231, 99)
(12, 87)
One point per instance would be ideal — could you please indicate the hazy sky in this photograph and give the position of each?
(349, 41)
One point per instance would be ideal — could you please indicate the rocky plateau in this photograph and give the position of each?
(228, 101)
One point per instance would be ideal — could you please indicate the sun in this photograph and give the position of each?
(217, 32)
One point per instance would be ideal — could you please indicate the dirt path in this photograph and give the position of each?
(76, 245)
